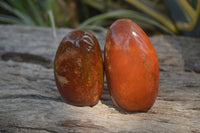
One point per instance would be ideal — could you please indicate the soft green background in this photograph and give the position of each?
(175, 17)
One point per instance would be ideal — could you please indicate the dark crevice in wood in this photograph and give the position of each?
(197, 108)
(26, 57)
(162, 70)
(31, 96)
(78, 123)
(3, 131)
(190, 70)
(176, 99)
(152, 112)
(32, 128)
(191, 85)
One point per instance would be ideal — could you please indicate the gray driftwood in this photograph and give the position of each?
(30, 102)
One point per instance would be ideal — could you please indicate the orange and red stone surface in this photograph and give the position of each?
(131, 66)
(78, 68)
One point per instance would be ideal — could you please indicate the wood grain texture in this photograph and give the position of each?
(30, 102)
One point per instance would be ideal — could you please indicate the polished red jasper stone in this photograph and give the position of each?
(78, 68)
(131, 66)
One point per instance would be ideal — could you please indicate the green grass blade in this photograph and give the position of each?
(36, 13)
(9, 19)
(53, 25)
(124, 14)
(26, 19)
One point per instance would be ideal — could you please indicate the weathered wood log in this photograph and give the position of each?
(30, 102)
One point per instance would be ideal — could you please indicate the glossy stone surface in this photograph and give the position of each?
(78, 68)
(131, 66)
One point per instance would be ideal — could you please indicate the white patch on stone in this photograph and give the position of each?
(62, 79)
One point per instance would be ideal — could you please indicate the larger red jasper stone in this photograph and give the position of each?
(131, 66)
(78, 68)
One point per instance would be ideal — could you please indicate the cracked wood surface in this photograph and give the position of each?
(30, 102)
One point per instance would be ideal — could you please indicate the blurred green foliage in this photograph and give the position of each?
(36, 12)
(25, 12)
(169, 16)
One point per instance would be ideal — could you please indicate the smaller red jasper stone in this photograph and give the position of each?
(131, 66)
(78, 68)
